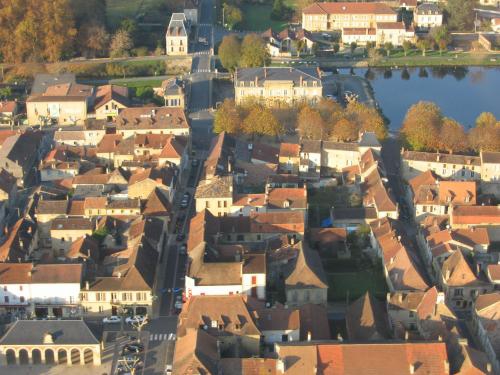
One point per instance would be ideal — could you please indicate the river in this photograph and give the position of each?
(462, 93)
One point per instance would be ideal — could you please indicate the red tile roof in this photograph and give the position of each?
(348, 8)
(291, 150)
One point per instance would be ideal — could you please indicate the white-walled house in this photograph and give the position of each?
(44, 290)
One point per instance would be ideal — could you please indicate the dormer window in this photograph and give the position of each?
(286, 203)
(214, 324)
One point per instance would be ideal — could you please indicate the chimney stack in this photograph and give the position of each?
(308, 335)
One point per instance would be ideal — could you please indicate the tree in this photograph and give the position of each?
(421, 126)
(260, 120)
(388, 46)
(254, 52)
(310, 124)
(407, 46)
(5, 93)
(232, 15)
(299, 45)
(345, 131)
(94, 40)
(460, 14)
(367, 119)
(423, 45)
(121, 44)
(485, 135)
(280, 11)
(441, 37)
(227, 118)
(353, 47)
(330, 111)
(452, 136)
(230, 52)
(59, 30)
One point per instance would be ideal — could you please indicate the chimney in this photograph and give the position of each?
(256, 81)
(407, 337)
(412, 368)
(301, 80)
(447, 274)
(489, 369)
(280, 366)
(265, 72)
(339, 337)
(400, 298)
(440, 297)
(308, 335)
(440, 338)
(87, 285)
(446, 366)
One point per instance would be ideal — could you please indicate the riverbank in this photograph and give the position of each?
(398, 59)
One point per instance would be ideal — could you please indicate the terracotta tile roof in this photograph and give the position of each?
(485, 301)
(254, 200)
(308, 271)
(95, 202)
(376, 193)
(4, 134)
(494, 272)
(328, 236)
(291, 150)
(19, 238)
(162, 175)
(425, 178)
(403, 272)
(152, 118)
(106, 93)
(314, 321)
(254, 263)
(293, 198)
(109, 143)
(278, 319)
(49, 207)
(343, 146)
(265, 153)
(462, 237)
(348, 8)
(404, 3)
(72, 223)
(84, 247)
(248, 366)
(405, 300)
(196, 353)
(277, 222)
(391, 25)
(358, 31)
(56, 273)
(476, 215)
(490, 157)
(217, 187)
(15, 273)
(457, 271)
(8, 106)
(474, 362)
(174, 147)
(457, 192)
(366, 319)
(76, 208)
(157, 204)
(229, 311)
(300, 359)
(383, 358)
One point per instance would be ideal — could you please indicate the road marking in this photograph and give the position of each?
(151, 337)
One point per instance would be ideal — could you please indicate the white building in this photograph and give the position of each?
(44, 290)
(428, 15)
(177, 35)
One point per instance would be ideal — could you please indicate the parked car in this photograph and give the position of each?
(112, 319)
(183, 249)
(178, 302)
(132, 349)
(168, 370)
(135, 319)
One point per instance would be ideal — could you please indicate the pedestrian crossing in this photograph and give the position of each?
(206, 52)
(201, 71)
(162, 337)
(205, 24)
(199, 109)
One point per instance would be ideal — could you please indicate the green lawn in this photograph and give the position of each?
(257, 17)
(355, 284)
(137, 83)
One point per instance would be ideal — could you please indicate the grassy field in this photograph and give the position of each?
(258, 18)
(141, 10)
(355, 284)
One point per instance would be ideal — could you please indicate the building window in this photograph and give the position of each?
(21, 288)
(21, 299)
(458, 292)
(6, 298)
(124, 296)
(5, 288)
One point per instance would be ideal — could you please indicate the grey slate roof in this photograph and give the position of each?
(176, 26)
(250, 75)
(42, 81)
(64, 332)
(428, 8)
(369, 139)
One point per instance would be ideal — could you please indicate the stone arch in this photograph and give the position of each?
(36, 356)
(88, 356)
(10, 354)
(24, 358)
(49, 357)
(62, 354)
(75, 356)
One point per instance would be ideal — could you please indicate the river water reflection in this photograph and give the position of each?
(462, 93)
